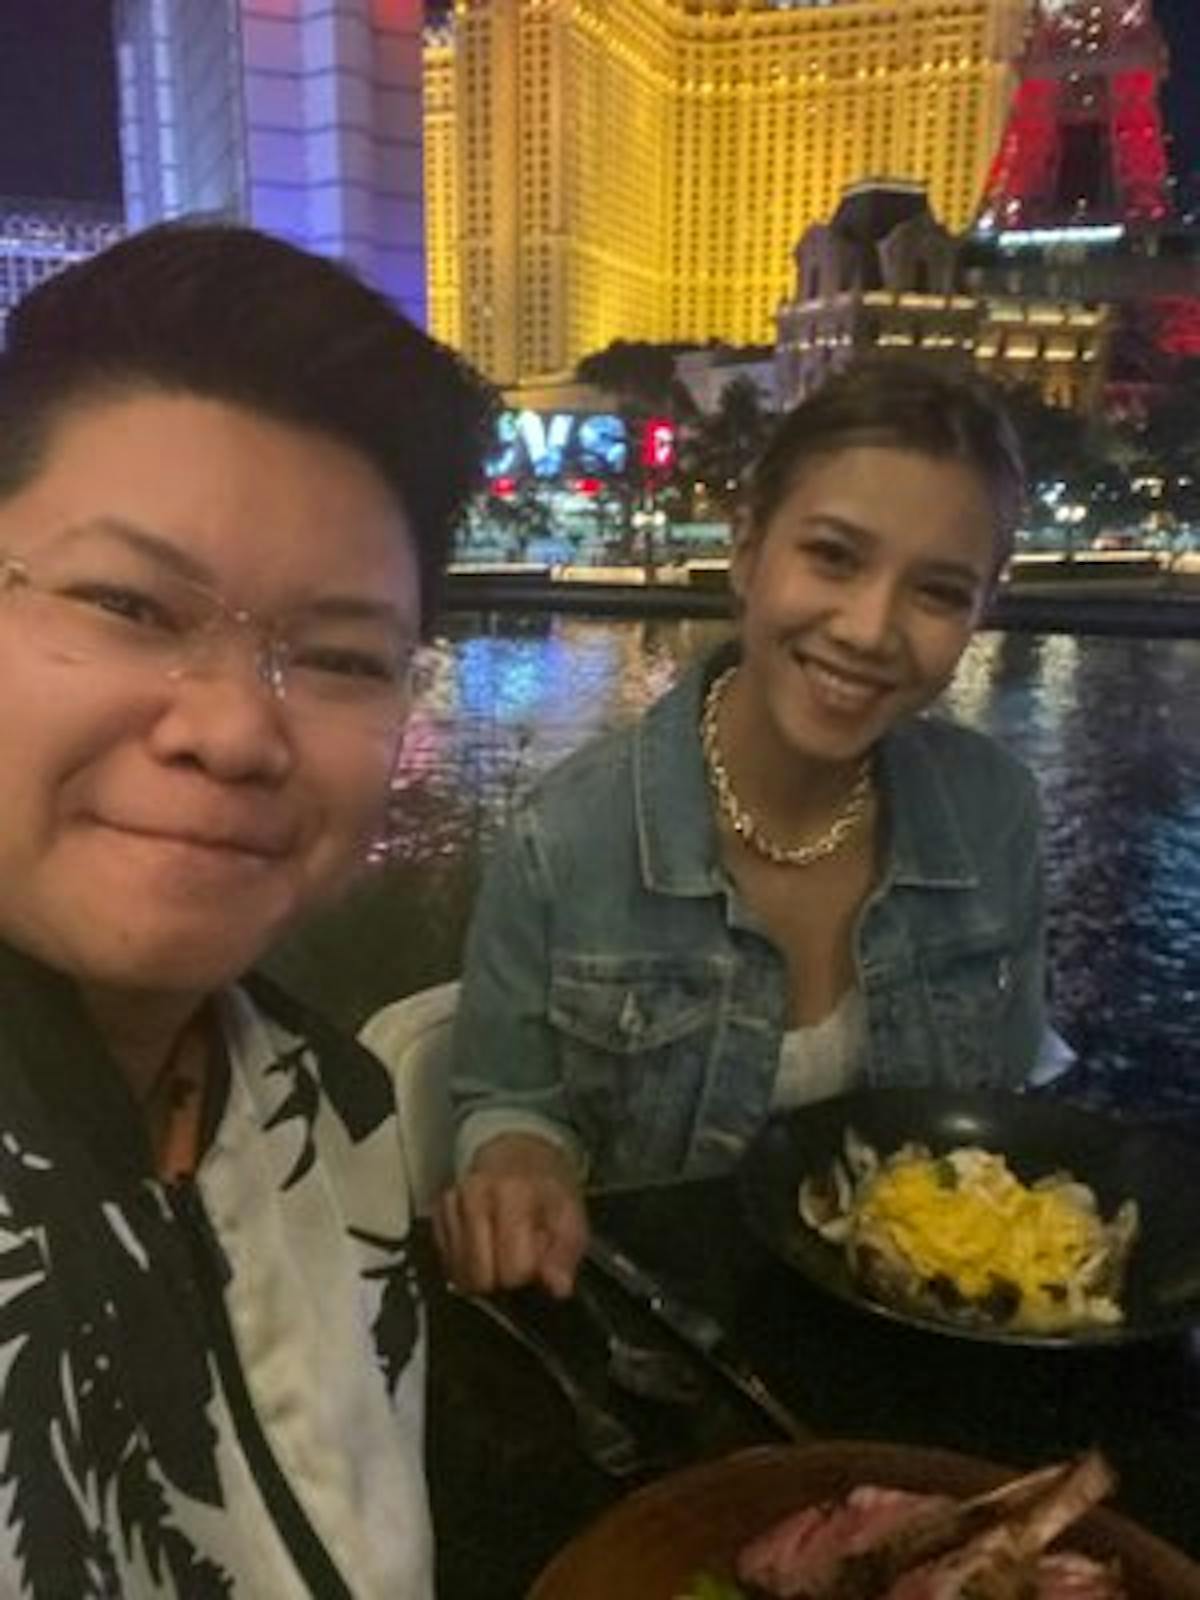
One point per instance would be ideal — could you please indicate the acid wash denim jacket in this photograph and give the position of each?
(619, 998)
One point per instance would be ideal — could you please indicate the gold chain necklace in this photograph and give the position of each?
(848, 819)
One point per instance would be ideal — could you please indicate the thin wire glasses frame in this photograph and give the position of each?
(349, 659)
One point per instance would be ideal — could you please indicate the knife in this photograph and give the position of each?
(697, 1328)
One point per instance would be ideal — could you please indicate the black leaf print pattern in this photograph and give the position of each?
(98, 1401)
(142, 1507)
(301, 1103)
(396, 1326)
(53, 1544)
(358, 1089)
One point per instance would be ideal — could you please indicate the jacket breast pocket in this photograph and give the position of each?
(968, 990)
(637, 1037)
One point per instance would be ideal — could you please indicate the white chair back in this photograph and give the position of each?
(412, 1039)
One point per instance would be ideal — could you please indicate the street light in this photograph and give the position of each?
(1069, 515)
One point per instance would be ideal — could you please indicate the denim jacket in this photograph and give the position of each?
(619, 998)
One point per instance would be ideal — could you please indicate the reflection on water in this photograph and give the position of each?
(1112, 729)
(1110, 726)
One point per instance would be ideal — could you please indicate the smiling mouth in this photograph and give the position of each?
(840, 690)
(218, 847)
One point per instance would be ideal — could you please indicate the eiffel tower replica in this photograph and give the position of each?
(1084, 144)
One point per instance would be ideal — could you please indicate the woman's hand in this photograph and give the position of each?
(516, 1218)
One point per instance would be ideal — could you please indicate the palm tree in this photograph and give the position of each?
(521, 516)
(1170, 441)
(640, 376)
(722, 446)
(1062, 447)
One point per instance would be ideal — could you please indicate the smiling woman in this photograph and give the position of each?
(228, 477)
(783, 881)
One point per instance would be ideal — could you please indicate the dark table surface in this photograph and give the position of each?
(509, 1486)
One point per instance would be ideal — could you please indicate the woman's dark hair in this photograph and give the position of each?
(904, 404)
(231, 314)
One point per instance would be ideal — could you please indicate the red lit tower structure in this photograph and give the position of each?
(1084, 141)
(1078, 201)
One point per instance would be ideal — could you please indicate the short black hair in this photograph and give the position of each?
(229, 313)
(901, 403)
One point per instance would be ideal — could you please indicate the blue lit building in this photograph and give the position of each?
(302, 117)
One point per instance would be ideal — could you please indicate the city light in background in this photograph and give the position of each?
(762, 189)
(986, 184)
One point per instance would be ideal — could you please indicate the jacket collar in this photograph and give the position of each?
(60, 1079)
(678, 844)
(54, 1059)
(677, 831)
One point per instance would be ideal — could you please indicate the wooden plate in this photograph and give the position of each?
(652, 1544)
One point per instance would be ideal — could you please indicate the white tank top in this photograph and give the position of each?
(824, 1059)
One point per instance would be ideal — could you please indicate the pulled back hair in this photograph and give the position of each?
(230, 314)
(898, 403)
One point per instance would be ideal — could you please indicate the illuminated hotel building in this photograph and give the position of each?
(642, 168)
(300, 116)
(40, 238)
(441, 188)
(883, 274)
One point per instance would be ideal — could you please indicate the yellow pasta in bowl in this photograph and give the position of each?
(961, 1237)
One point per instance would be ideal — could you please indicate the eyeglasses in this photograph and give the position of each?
(106, 608)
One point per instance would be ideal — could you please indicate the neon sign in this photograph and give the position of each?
(547, 445)
(658, 444)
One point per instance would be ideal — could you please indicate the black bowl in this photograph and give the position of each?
(1119, 1160)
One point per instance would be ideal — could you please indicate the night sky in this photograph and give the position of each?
(57, 100)
(57, 97)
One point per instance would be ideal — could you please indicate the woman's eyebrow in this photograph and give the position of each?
(954, 569)
(153, 546)
(840, 524)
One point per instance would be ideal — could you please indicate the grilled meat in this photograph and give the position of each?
(807, 1553)
(885, 1544)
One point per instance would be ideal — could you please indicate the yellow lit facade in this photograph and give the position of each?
(642, 169)
(443, 285)
(1059, 346)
